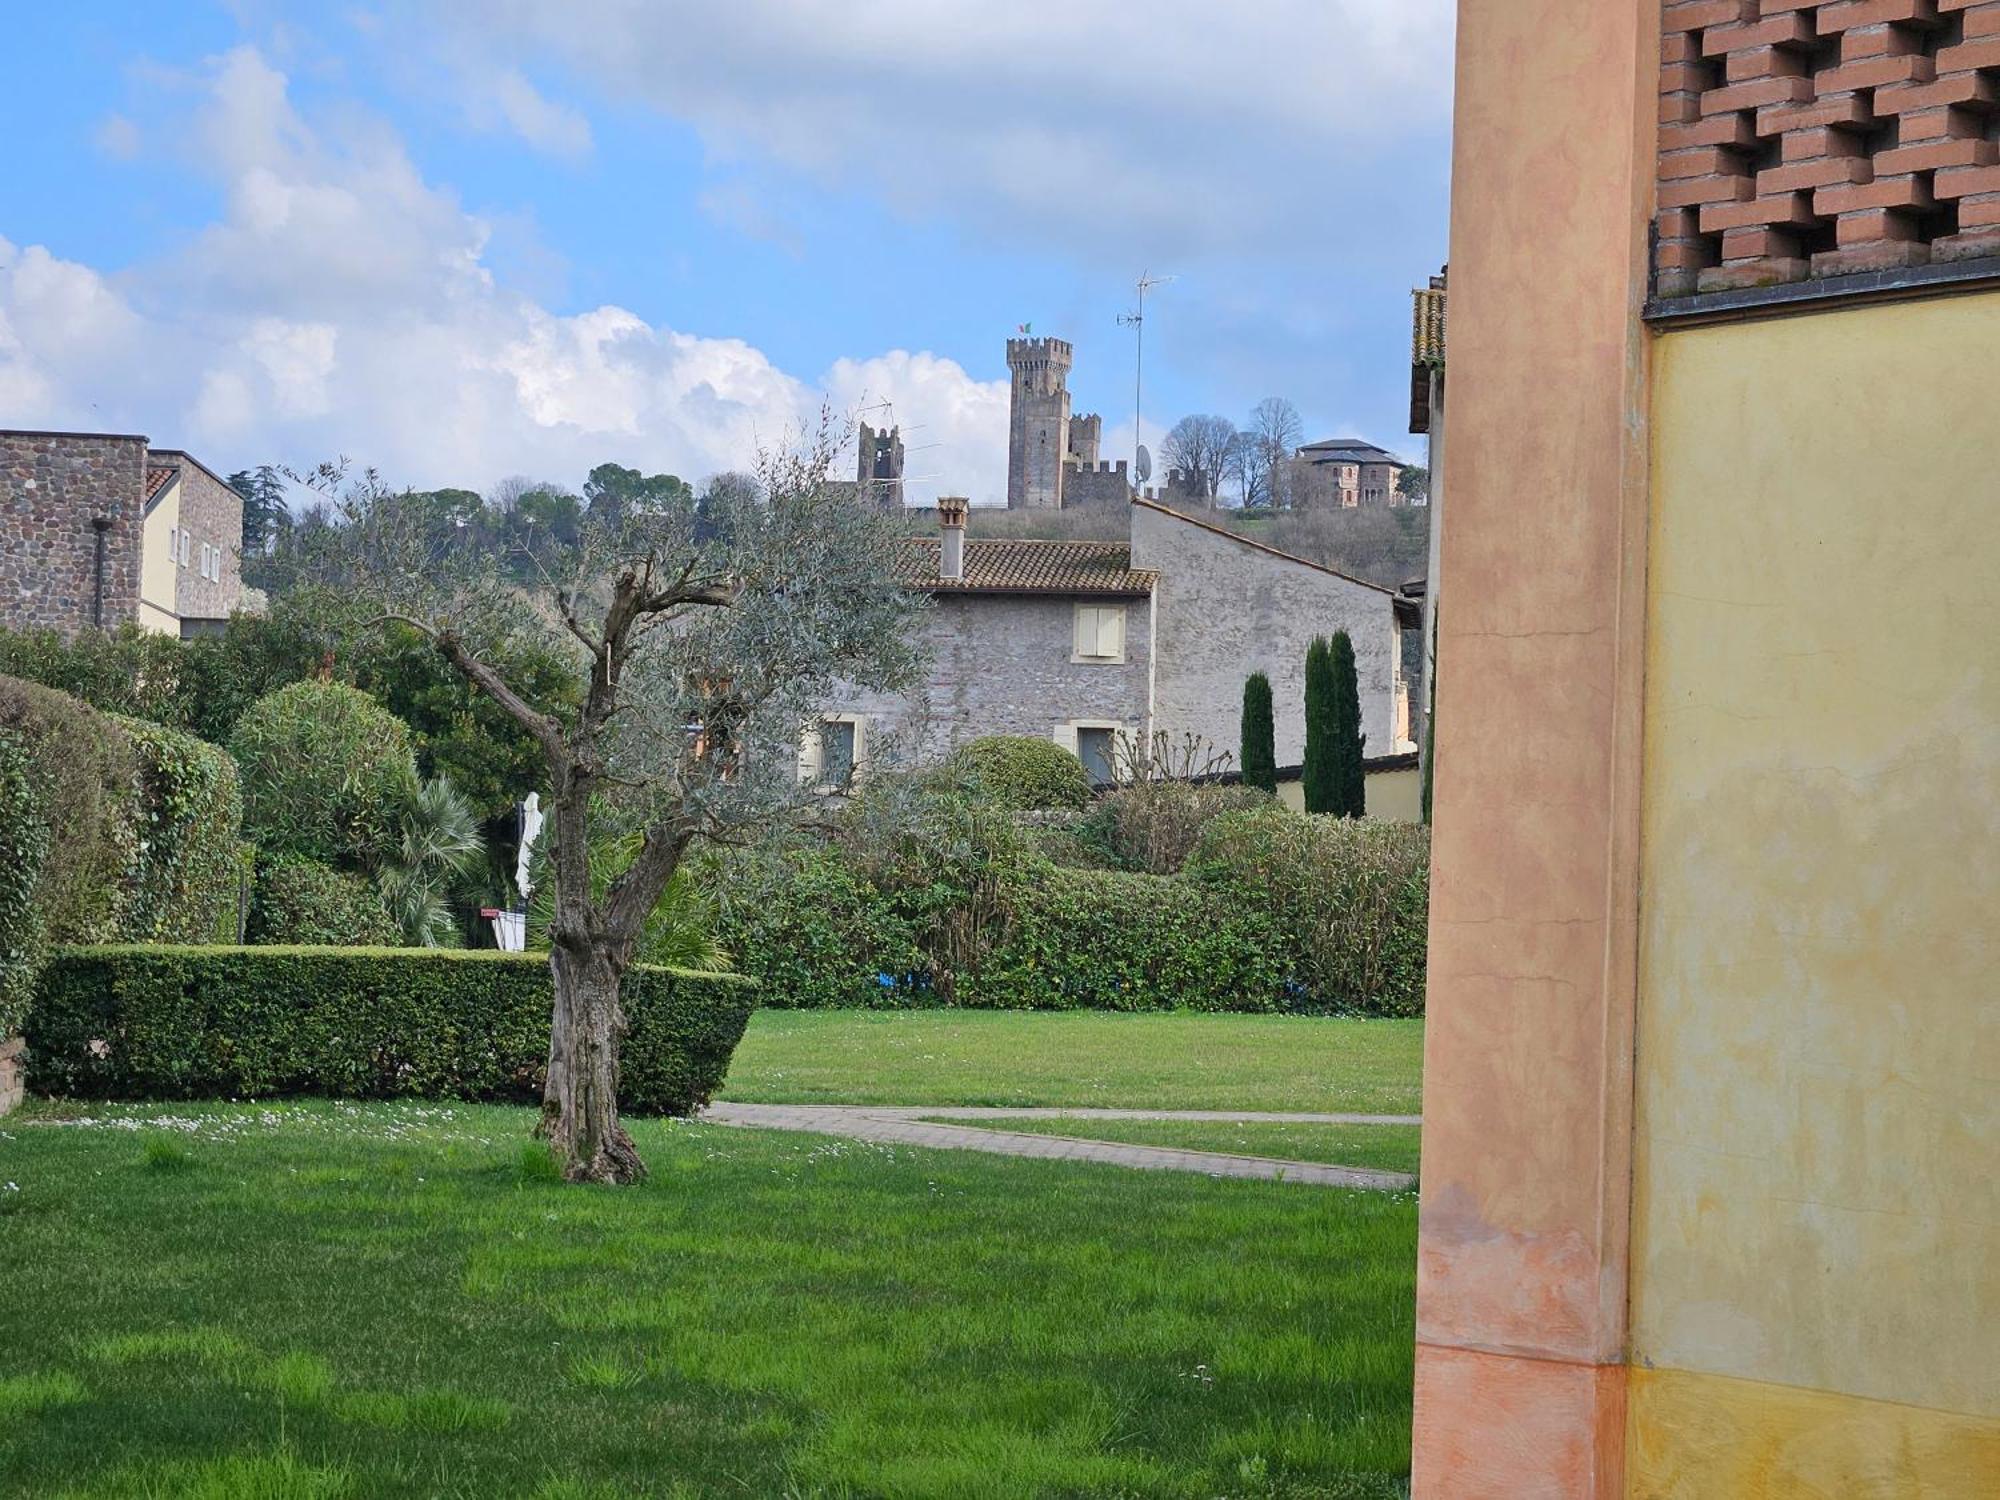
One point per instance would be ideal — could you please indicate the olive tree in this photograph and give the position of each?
(708, 633)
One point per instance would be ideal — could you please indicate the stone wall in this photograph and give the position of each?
(211, 513)
(1228, 607)
(1103, 484)
(1038, 423)
(1001, 664)
(53, 486)
(13, 1076)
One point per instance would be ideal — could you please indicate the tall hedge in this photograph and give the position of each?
(816, 934)
(302, 902)
(177, 1023)
(110, 830)
(1260, 736)
(326, 770)
(68, 831)
(184, 884)
(1348, 902)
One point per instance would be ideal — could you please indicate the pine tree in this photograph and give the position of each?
(1322, 728)
(1260, 749)
(1349, 778)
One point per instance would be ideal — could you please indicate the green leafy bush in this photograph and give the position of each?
(183, 886)
(1348, 900)
(326, 773)
(816, 933)
(176, 1023)
(680, 931)
(1024, 773)
(1081, 939)
(300, 901)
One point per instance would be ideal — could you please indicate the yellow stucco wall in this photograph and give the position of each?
(158, 570)
(1396, 796)
(1816, 1223)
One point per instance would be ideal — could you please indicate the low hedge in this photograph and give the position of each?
(817, 935)
(1102, 940)
(176, 1023)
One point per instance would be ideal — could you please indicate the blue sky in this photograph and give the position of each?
(464, 241)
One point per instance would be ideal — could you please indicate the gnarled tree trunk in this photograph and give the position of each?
(580, 1101)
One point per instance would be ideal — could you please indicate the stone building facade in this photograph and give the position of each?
(98, 530)
(1093, 644)
(1346, 473)
(71, 517)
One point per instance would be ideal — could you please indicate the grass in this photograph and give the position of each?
(1080, 1058)
(325, 1301)
(1388, 1148)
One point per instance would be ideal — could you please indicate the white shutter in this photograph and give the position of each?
(1086, 630)
(809, 757)
(1111, 633)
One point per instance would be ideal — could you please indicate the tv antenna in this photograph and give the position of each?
(1136, 321)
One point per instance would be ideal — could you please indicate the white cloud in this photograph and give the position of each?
(1179, 126)
(341, 304)
(506, 97)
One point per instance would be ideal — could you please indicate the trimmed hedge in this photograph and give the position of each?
(188, 868)
(1348, 899)
(1098, 940)
(304, 903)
(1024, 773)
(177, 1023)
(816, 935)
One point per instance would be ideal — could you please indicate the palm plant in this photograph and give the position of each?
(437, 840)
(679, 932)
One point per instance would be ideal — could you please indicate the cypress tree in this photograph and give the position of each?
(1260, 738)
(1322, 729)
(1349, 779)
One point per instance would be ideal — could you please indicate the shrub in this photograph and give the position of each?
(174, 1023)
(300, 901)
(1348, 900)
(1024, 773)
(183, 886)
(326, 773)
(815, 933)
(1081, 939)
(1152, 826)
(67, 831)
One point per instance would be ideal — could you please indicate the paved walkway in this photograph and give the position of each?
(905, 1126)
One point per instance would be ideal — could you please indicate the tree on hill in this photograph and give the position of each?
(1199, 446)
(707, 637)
(1260, 753)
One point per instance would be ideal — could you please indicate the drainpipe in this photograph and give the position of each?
(102, 525)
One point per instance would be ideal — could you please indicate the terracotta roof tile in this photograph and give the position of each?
(1009, 566)
(157, 476)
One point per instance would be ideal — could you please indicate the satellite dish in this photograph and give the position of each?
(1145, 464)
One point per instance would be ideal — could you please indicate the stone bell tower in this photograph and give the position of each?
(1038, 423)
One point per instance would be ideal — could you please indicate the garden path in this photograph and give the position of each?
(895, 1125)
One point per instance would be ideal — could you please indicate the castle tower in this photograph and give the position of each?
(878, 473)
(1038, 423)
(1086, 435)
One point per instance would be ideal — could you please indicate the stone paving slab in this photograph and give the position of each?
(1220, 1116)
(899, 1126)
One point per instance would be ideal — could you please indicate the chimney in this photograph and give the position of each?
(951, 551)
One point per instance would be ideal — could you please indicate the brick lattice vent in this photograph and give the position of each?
(1814, 138)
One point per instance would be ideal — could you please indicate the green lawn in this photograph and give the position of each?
(1088, 1058)
(310, 1301)
(1389, 1148)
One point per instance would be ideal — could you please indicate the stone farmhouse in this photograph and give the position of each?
(101, 529)
(1087, 643)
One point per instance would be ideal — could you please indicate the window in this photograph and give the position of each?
(184, 549)
(205, 551)
(1100, 632)
(832, 755)
(1095, 747)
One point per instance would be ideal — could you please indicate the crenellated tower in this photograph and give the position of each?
(1038, 424)
(879, 469)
